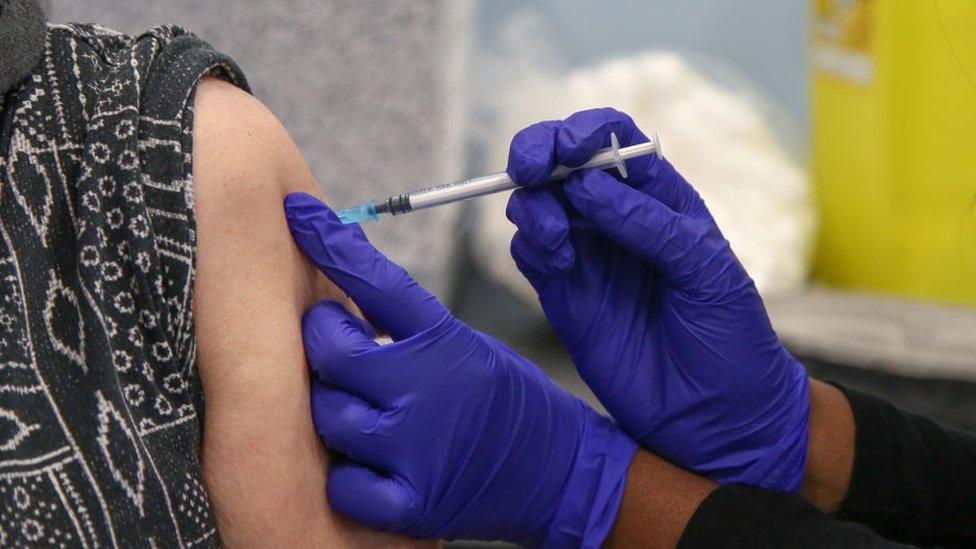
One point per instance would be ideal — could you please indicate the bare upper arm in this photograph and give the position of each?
(262, 460)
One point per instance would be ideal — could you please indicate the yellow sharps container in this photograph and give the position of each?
(894, 135)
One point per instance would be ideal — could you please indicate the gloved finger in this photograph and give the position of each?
(532, 154)
(387, 504)
(677, 246)
(530, 262)
(584, 133)
(671, 189)
(385, 293)
(337, 347)
(543, 223)
(349, 425)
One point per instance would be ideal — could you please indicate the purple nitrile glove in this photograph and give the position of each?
(660, 318)
(446, 432)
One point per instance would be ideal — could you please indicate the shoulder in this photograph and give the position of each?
(241, 152)
(244, 164)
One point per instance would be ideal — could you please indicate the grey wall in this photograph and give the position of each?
(363, 86)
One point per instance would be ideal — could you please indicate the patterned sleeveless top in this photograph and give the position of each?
(100, 403)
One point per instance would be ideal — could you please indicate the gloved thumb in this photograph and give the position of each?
(384, 292)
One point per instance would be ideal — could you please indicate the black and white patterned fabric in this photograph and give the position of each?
(100, 404)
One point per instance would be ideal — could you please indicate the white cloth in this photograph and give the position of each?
(720, 137)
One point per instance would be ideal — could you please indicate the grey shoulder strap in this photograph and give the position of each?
(22, 36)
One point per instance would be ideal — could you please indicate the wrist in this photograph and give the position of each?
(595, 487)
(659, 502)
(830, 450)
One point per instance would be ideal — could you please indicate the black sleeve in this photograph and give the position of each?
(745, 517)
(914, 480)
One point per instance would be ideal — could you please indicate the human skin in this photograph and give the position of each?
(661, 498)
(830, 454)
(264, 465)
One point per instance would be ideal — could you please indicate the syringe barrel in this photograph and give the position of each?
(460, 190)
(496, 182)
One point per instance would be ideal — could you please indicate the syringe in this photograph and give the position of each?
(610, 157)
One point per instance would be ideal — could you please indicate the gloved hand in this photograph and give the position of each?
(446, 432)
(660, 318)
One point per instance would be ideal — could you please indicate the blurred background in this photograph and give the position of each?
(832, 140)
